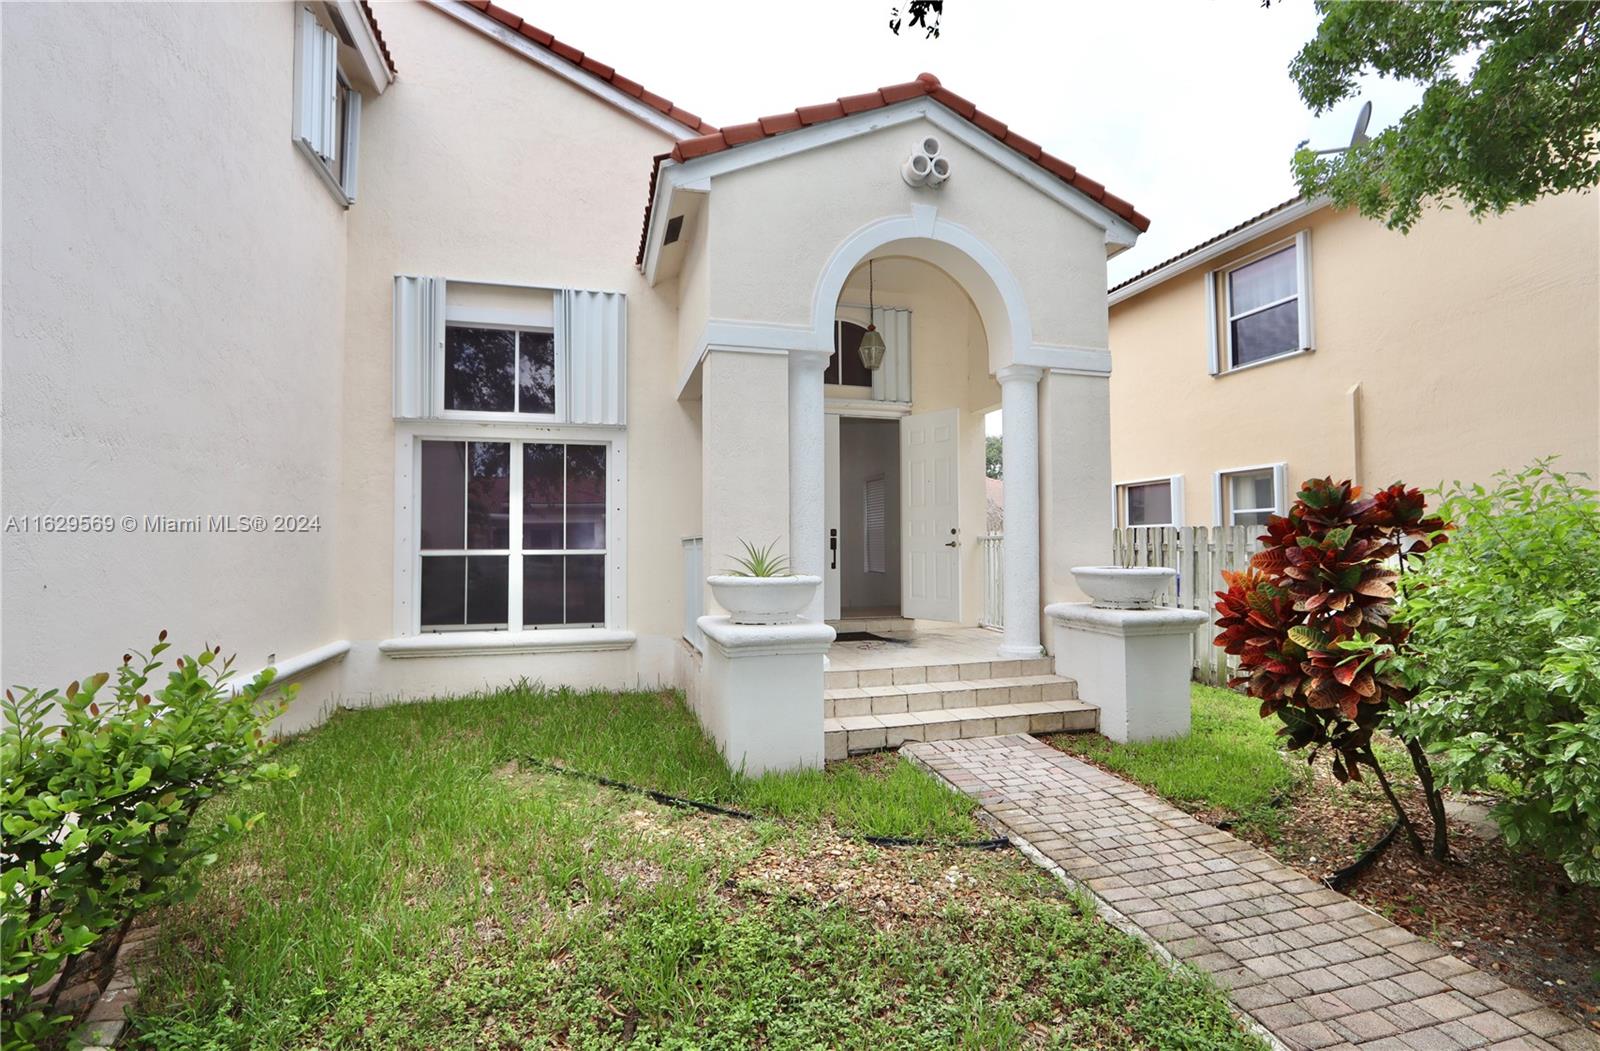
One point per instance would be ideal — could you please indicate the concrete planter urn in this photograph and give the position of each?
(764, 600)
(1124, 587)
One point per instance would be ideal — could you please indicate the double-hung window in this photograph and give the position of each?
(327, 108)
(1265, 308)
(1157, 502)
(513, 535)
(1251, 495)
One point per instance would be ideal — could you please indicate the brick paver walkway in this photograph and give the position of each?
(1312, 967)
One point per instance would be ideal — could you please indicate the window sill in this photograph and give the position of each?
(1266, 361)
(479, 643)
(328, 178)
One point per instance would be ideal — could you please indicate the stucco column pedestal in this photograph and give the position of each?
(808, 534)
(761, 692)
(1132, 663)
(1019, 439)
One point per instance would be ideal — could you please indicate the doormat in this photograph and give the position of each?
(867, 636)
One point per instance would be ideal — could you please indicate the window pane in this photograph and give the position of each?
(1150, 504)
(541, 590)
(1251, 517)
(1251, 490)
(586, 589)
(536, 372)
(542, 472)
(486, 590)
(1267, 334)
(478, 368)
(1263, 281)
(443, 495)
(443, 591)
(852, 371)
(586, 496)
(488, 494)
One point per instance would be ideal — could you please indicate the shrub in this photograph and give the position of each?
(1506, 626)
(1311, 623)
(97, 804)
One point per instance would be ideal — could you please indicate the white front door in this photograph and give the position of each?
(930, 578)
(831, 598)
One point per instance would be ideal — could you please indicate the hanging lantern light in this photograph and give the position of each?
(872, 346)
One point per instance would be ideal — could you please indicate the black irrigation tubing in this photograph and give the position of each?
(666, 799)
(1340, 878)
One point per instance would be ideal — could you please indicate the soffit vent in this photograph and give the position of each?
(674, 228)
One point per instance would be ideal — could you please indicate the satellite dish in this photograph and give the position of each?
(1359, 136)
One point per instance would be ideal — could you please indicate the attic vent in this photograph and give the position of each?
(674, 228)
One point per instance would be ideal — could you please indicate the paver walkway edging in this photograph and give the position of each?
(1305, 964)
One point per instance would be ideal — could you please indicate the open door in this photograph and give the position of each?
(831, 594)
(930, 579)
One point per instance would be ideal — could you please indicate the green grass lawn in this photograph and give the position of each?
(416, 887)
(1231, 761)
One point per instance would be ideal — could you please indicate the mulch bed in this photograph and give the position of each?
(1510, 913)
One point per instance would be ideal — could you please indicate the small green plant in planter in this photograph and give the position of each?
(760, 561)
(99, 785)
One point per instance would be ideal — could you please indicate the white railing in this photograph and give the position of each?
(994, 594)
(694, 590)
(1199, 554)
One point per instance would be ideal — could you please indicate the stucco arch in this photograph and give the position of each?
(951, 247)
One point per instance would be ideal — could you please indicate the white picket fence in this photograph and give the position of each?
(1199, 554)
(994, 595)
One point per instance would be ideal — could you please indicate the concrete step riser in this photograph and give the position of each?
(935, 673)
(948, 695)
(841, 743)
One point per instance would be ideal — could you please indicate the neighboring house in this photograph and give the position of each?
(1309, 342)
(413, 321)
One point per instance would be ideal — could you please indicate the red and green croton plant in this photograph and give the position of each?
(1310, 624)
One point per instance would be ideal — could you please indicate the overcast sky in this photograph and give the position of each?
(1183, 107)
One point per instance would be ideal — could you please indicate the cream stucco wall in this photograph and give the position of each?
(173, 283)
(478, 165)
(1476, 347)
(774, 227)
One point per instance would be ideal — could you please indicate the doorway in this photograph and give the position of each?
(864, 520)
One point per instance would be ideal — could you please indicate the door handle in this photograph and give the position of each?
(833, 548)
(955, 542)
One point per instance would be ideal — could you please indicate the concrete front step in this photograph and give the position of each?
(854, 734)
(843, 702)
(919, 673)
(876, 625)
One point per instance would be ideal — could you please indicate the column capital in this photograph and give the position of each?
(802, 358)
(1019, 373)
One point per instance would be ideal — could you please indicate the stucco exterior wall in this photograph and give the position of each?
(1476, 347)
(173, 277)
(479, 165)
(777, 224)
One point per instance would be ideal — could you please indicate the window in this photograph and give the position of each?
(499, 370)
(327, 109)
(1250, 496)
(845, 366)
(1149, 503)
(513, 535)
(875, 545)
(1265, 309)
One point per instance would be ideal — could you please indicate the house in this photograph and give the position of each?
(362, 301)
(1310, 341)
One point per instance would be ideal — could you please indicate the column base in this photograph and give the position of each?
(761, 692)
(1131, 663)
(1020, 653)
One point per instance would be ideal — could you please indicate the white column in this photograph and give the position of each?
(808, 539)
(1019, 418)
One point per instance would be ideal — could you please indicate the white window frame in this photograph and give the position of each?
(1219, 491)
(503, 322)
(1119, 501)
(409, 437)
(1221, 347)
(307, 90)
